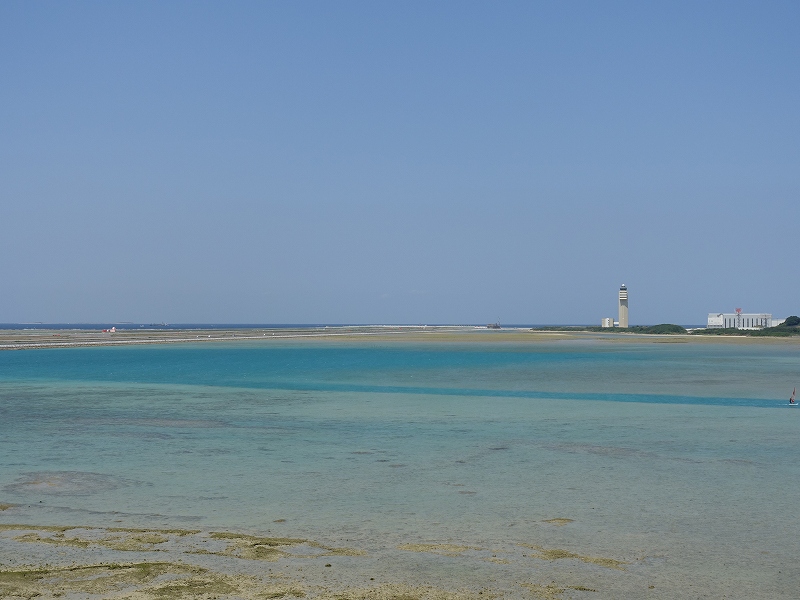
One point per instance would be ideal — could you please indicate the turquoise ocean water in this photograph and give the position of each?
(681, 459)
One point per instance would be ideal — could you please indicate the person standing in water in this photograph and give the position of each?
(791, 398)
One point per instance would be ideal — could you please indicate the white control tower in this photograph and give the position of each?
(623, 306)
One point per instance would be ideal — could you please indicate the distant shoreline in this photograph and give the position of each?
(31, 339)
(22, 339)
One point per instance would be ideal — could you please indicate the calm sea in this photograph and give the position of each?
(681, 459)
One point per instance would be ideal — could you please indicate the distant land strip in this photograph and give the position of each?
(60, 338)
(24, 339)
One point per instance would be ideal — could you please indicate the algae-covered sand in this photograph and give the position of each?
(160, 564)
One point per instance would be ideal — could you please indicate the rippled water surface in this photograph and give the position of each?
(681, 459)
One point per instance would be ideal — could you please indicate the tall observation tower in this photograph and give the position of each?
(623, 306)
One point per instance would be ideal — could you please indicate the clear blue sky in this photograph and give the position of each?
(398, 162)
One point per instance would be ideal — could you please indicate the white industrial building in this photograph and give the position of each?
(740, 320)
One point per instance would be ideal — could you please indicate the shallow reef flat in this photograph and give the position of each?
(157, 564)
(21, 339)
(334, 468)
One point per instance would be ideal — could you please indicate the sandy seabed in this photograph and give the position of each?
(87, 562)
